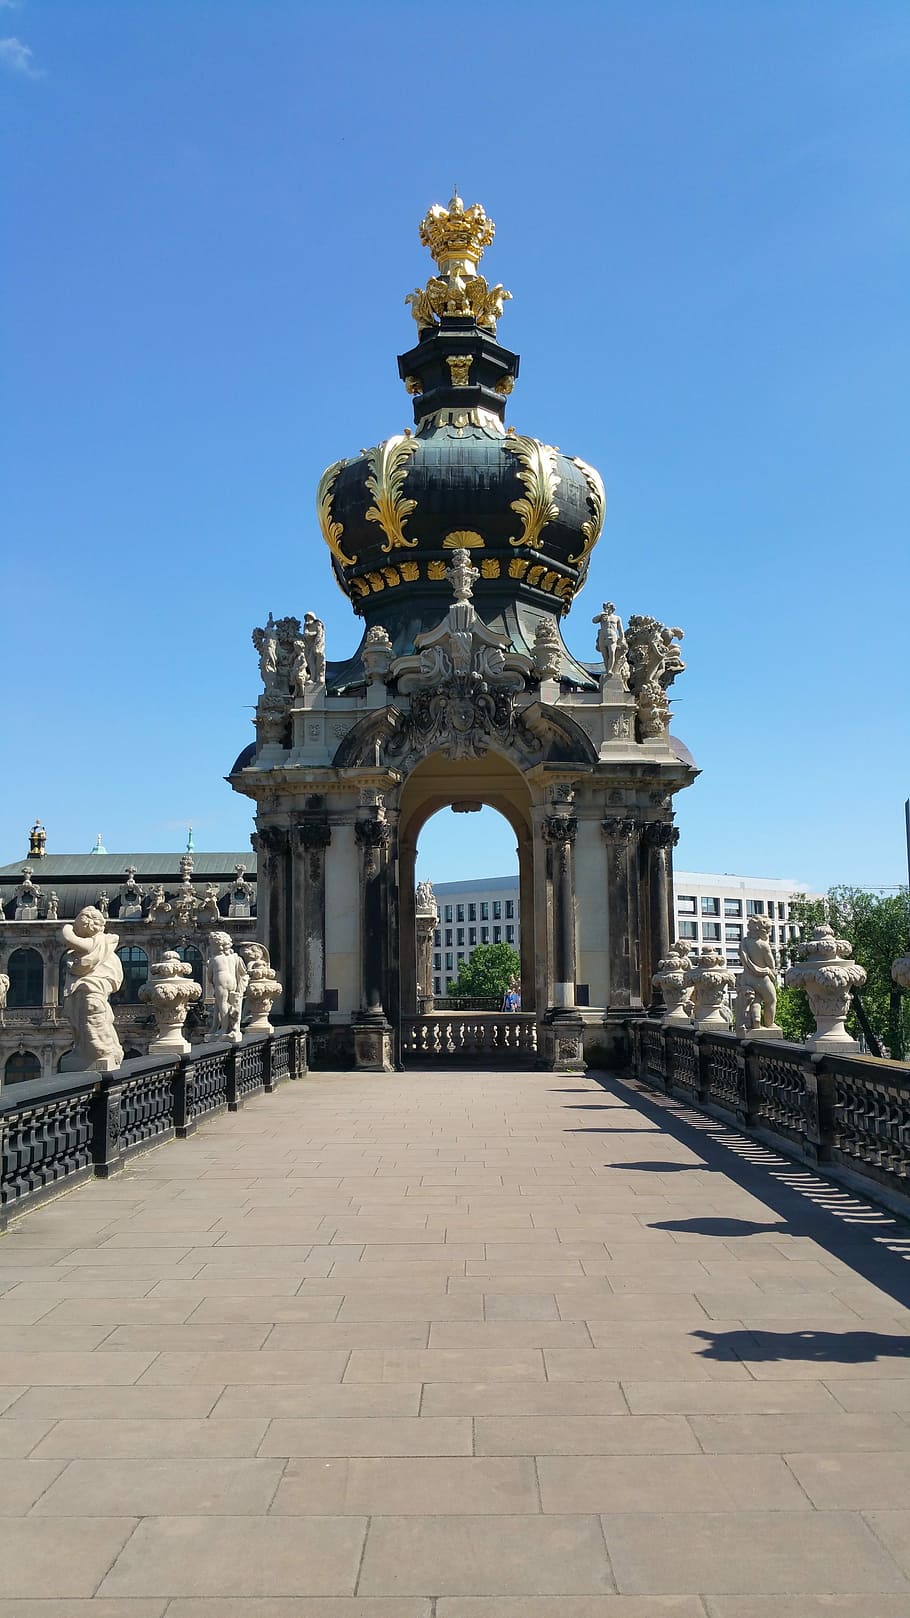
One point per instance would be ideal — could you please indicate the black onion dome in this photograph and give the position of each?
(391, 516)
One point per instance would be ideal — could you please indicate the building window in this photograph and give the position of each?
(773, 933)
(460, 956)
(472, 935)
(460, 939)
(732, 932)
(135, 972)
(497, 935)
(781, 912)
(450, 961)
(710, 930)
(733, 907)
(688, 929)
(435, 985)
(484, 910)
(510, 909)
(26, 978)
(710, 906)
(448, 913)
(685, 904)
(437, 937)
(459, 912)
(448, 937)
(437, 963)
(485, 935)
(510, 935)
(497, 910)
(733, 960)
(189, 952)
(20, 1066)
(472, 912)
(448, 985)
(755, 907)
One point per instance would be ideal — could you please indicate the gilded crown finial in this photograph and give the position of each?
(457, 237)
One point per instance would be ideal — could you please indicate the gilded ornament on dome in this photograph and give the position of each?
(459, 366)
(504, 386)
(436, 570)
(597, 500)
(388, 469)
(489, 567)
(537, 471)
(409, 571)
(331, 530)
(413, 385)
(456, 237)
(463, 539)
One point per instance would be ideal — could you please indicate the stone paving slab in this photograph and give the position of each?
(456, 1345)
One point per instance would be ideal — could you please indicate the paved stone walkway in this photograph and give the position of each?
(454, 1345)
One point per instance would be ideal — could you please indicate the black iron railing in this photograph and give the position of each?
(852, 1112)
(58, 1131)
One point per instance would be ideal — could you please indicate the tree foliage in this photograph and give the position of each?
(878, 927)
(488, 973)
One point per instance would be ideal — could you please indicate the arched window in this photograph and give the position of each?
(135, 972)
(189, 952)
(26, 978)
(20, 1066)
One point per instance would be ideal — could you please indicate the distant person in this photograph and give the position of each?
(511, 999)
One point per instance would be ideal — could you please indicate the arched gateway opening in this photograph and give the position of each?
(462, 544)
(436, 784)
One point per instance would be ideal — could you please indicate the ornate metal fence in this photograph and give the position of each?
(58, 1131)
(464, 1036)
(850, 1111)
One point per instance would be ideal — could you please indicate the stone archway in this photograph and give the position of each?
(436, 783)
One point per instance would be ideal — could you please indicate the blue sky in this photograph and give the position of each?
(701, 213)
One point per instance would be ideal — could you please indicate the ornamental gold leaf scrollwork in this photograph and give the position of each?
(331, 530)
(597, 499)
(537, 471)
(388, 464)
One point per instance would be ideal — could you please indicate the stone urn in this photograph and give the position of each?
(670, 979)
(900, 972)
(170, 992)
(262, 990)
(709, 980)
(829, 978)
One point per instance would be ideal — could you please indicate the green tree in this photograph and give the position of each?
(488, 973)
(878, 927)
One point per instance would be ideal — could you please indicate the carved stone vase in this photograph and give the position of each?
(262, 990)
(170, 993)
(709, 980)
(670, 978)
(829, 978)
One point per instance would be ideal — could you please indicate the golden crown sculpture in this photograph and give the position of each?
(456, 237)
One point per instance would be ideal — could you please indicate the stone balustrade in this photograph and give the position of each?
(58, 1131)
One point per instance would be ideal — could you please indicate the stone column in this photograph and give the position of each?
(425, 921)
(312, 836)
(560, 829)
(372, 1032)
(659, 837)
(526, 920)
(411, 979)
(274, 907)
(622, 838)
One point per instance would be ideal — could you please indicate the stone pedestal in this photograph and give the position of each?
(560, 1044)
(373, 1051)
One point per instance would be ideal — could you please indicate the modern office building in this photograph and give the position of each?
(710, 907)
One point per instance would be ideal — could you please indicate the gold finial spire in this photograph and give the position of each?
(456, 237)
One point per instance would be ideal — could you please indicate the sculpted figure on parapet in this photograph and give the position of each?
(226, 978)
(654, 662)
(611, 642)
(757, 986)
(93, 973)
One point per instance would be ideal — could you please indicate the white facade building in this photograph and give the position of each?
(709, 907)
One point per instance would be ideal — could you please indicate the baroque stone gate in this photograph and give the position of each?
(462, 545)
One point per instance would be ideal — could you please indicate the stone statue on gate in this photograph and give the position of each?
(208, 909)
(159, 909)
(4, 991)
(611, 643)
(755, 1001)
(52, 912)
(266, 643)
(130, 897)
(241, 900)
(226, 978)
(28, 897)
(93, 973)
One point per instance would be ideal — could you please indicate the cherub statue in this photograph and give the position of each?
(4, 991)
(93, 973)
(208, 909)
(103, 904)
(52, 913)
(266, 643)
(757, 986)
(611, 642)
(226, 978)
(159, 909)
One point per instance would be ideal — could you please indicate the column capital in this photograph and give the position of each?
(558, 828)
(271, 839)
(313, 834)
(373, 834)
(660, 834)
(619, 829)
